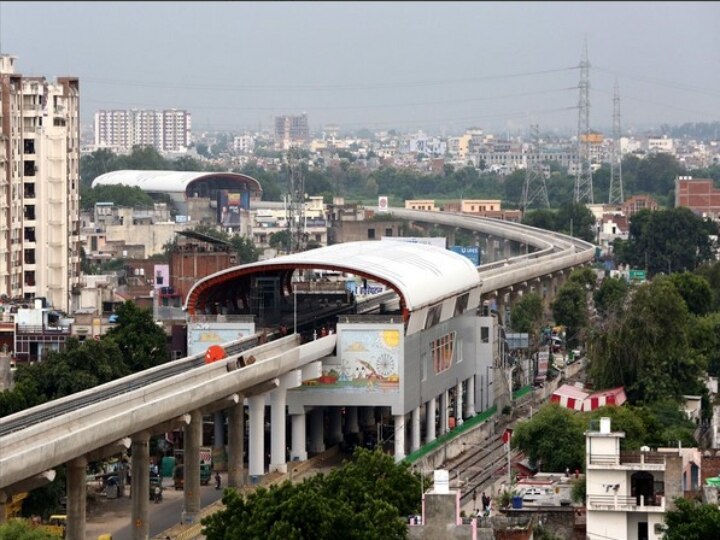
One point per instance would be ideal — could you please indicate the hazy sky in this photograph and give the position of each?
(405, 65)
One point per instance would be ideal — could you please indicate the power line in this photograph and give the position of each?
(660, 82)
(314, 87)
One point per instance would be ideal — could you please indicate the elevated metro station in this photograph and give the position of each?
(424, 359)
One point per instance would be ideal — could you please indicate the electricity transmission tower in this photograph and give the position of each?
(616, 183)
(534, 190)
(583, 178)
(296, 202)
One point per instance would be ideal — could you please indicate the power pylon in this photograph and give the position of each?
(583, 178)
(534, 190)
(295, 209)
(616, 184)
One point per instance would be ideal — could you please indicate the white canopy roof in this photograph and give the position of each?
(163, 181)
(422, 274)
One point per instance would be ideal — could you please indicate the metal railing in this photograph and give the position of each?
(625, 503)
(627, 458)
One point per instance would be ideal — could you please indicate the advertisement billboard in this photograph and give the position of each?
(470, 252)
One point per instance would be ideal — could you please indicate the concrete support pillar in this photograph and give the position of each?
(140, 486)
(256, 437)
(351, 420)
(470, 402)
(399, 436)
(430, 412)
(507, 249)
(299, 439)
(317, 424)
(191, 467)
(367, 416)
(219, 455)
(443, 412)
(415, 441)
(77, 498)
(278, 426)
(236, 444)
(459, 403)
(336, 434)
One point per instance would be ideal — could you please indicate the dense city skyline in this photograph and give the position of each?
(432, 66)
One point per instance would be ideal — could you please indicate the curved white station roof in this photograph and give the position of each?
(422, 274)
(160, 181)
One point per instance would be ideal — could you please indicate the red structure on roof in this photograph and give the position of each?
(575, 398)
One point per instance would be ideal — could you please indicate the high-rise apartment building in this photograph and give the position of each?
(291, 130)
(120, 130)
(39, 186)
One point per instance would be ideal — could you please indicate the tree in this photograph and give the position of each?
(553, 439)
(668, 241)
(280, 240)
(692, 521)
(576, 220)
(570, 310)
(98, 163)
(695, 290)
(585, 277)
(647, 351)
(365, 498)
(120, 195)
(142, 342)
(610, 296)
(245, 249)
(527, 314)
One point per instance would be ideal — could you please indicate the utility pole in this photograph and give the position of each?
(583, 178)
(534, 189)
(616, 183)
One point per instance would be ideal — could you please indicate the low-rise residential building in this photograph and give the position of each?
(628, 493)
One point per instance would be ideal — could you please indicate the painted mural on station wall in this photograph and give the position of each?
(367, 360)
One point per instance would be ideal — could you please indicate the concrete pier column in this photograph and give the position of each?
(278, 427)
(191, 467)
(367, 417)
(236, 444)
(77, 498)
(140, 486)
(459, 403)
(299, 438)
(317, 424)
(219, 454)
(507, 249)
(351, 420)
(444, 412)
(256, 437)
(399, 436)
(430, 412)
(336, 434)
(470, 402)
(415, 442)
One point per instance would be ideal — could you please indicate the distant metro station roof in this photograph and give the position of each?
(169, 181)
(421, 274)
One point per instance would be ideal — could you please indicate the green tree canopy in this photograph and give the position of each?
(120, 195)
(668, 241)
(695, 290)
(366, 498)
(553, 439)
(570, 310)
(142, 342)
(527, 314)
(22, 530)
(647, 351)
(611, 295)
(692, 520)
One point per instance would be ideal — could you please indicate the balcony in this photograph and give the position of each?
(621, 503)
(632, 461)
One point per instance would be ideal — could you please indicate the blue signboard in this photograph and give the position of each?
(471, 252)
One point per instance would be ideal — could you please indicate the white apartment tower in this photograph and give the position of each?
(120, 130)
(39, 186)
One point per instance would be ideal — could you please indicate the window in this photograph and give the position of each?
(433, 316)
(461, 303)
(485, 334)
(442, 350)
(371, 234)
(388, 231)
